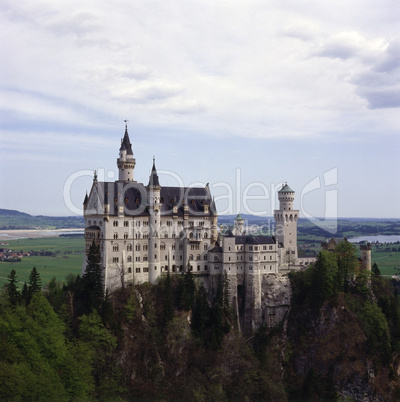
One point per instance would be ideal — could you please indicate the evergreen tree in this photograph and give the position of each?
(168, 301)
(324, 274)
(200, 313)
(13, 294)
(34, 286)
(35, 283)
(93, 289)
(347, 262)
(188, 291)
(375, 269)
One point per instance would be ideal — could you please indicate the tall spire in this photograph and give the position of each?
(126, 143)
(153, 181)
(126, 162)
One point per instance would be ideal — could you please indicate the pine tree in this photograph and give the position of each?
(34, 286)
(93, 289)
(168, 301)
(35, 283)
(375, 269)
(13, 294)
(200, 313)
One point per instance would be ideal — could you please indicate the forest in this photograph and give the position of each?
(70, 341)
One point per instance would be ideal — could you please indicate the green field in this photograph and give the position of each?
(67, 260)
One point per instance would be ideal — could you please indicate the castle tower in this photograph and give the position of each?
(366, 256)
(126, 162)
(154, 203)
(286, 226)
(214, 222)
(238, 229)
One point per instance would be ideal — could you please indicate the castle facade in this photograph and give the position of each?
(144, 231)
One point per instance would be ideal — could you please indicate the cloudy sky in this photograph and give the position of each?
(244, 95)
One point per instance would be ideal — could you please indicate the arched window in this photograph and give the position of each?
(115, 235)
(129, 258)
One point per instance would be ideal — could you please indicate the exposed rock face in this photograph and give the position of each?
(275, 298)
(259, 299)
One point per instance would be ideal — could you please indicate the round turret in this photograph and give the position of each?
(286, 198)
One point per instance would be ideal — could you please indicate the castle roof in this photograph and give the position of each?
(239, 217)
(126, 143)
(285, 189)
(134, 199)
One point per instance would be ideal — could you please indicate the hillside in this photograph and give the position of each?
(12, 219)
(339, 341)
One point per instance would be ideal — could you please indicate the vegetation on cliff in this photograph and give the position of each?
(169, 342)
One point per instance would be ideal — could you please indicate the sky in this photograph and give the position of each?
(243, 95)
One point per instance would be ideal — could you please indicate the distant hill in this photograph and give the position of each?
(11, 220)
(12, 212)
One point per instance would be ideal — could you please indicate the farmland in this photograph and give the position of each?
(66, 258)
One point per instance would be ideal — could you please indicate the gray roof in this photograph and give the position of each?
(134, 198)
(126, 143)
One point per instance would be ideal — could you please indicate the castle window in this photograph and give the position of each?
(115, 259)
(270, 257)
(250, 258)
(205, 257)
(173, 257)
(198, 257)
(126, 223)
(270, 247)
(145, 258)
(138, 270)
(198, 267)
(180, 257)
(137, 247)
(173, 235)
(191, 257)
(206, 267)
(162, 247)
(264, 247)
(115, 248)
(173, 247)
(129, 258)
(205, 235)
(144, 247)
(146, 269)
(229, 249)
(251, 248)
(129, 270)
(166, 258)
(256, 248)
(206, 246)
(137, 259)
(115, 235)
(125, 236)
(115, 223)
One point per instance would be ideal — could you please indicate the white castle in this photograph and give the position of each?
(144, 231)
